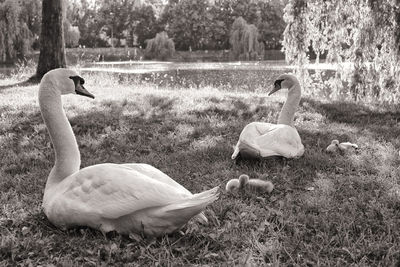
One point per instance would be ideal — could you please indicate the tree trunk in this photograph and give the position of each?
(52, 46)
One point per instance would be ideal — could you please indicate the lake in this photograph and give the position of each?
(249, 76)
(6, 70)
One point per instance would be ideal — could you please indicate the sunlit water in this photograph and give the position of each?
(156, 66)
(249, 76)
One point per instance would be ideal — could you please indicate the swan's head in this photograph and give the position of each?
(284, 81)
(234, 185)
(333, 146)
(243, 180)
(64, 81)
(335, 142)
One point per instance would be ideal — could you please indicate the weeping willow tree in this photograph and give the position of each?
(361, 37)
(161, 47)
(244, 40)
(15, 37)
(297, 37)
(251, 45)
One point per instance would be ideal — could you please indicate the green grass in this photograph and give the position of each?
(352, 217)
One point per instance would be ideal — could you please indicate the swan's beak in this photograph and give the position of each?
(274, 90)
(277, 86)
(80, 90)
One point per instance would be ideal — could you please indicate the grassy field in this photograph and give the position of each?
(326, 210)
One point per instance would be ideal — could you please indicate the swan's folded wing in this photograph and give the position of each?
(280, 140)
(248, 151)
(111, 191)
(156, 174)
(347, 145)
(248, 146)
(255, 129)
(264, 128)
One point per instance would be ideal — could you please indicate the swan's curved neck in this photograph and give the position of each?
(67, 156)
(289, 108)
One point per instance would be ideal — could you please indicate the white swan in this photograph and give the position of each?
(260, 139)
(127, 198)
(245, 183)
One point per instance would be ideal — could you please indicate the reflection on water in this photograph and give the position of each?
(6, 70)
(229, 76)
(156, 66)
(249, 76)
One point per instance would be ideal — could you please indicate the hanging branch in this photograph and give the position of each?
(360, 37)
(296, 37)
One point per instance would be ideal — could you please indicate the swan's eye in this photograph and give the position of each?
(77, 80)
(277, 83)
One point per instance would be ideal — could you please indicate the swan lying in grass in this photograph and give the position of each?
(260, 139)
(245, 183)
(127, 198)
(336, 146)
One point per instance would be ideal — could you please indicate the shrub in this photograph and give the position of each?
(161, 47)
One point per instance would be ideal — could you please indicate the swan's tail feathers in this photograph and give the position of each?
(300, 152)
(189, 208)
(211, 193)
(247, 151)
(201, 217)
(349, 145)
(235, 152)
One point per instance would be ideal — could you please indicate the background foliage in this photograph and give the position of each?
(193, 24)
(17, 22)
(360, 37)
